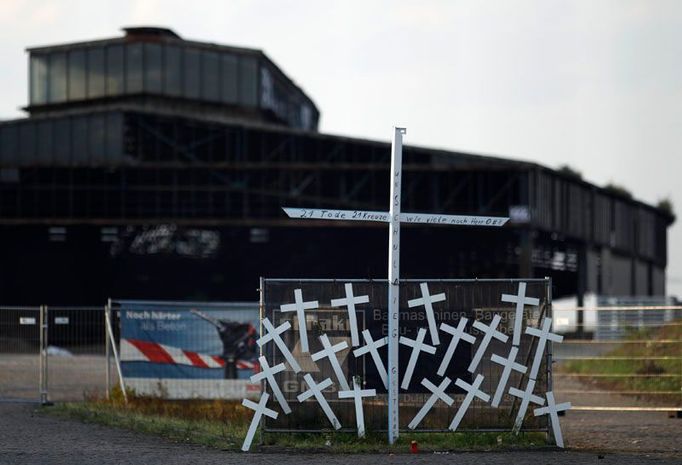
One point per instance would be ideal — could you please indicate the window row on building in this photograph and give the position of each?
(117, 69)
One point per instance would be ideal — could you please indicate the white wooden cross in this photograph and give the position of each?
(509, 364)
(349, 301)
(520, 300)
(438, 392)
(526, 397)
(357, 394)
(457, 335)
(394, 217)
(260, 409)
(417, 346)
(371, 347)
(273, 334)
(553, 409)
(427, 301)
(316, 390)
(299, 306)
(472, 391)
(490, 333)
(543, 336)
(269, 374)
(329, 352)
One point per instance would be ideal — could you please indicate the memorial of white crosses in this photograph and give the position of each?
(448, 355)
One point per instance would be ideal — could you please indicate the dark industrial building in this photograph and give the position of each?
(155, 167)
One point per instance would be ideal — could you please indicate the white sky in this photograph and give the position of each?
(597, 85)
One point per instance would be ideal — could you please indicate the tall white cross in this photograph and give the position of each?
(371, 347)
(269, 374)
(417, 346)
(273, 334)
(509, 364)
(438, 392)
(394, 217)
(349, 301)
(472, 391)
(299, 306)
(520, 300)
(316, 390)
(543, 336)
(427, 301)
(490, 333)
(329, 352)
(357, 394)
(457, 335)
(553, 410)
(260, 409)
(526, 397)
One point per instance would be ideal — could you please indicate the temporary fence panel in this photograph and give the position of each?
(21, 373)
(475, 300)
(627, 357)
(187, 350)
(75, 353)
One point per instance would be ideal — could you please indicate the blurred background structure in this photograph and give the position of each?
(154, 167)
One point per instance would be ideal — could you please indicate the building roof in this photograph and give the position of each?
(160, 34)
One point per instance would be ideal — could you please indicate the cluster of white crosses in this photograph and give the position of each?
(473, 390)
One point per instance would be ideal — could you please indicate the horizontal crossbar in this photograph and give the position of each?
(383, 217)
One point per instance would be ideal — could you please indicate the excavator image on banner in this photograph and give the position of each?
(239, 341)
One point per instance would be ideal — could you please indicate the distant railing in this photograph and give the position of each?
(620, 358)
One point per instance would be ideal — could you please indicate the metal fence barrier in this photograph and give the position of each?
(477, 300)
(51, 353)
(621, 357)
(76, 358)
(22, 373)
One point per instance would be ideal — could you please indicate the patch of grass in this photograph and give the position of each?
(652, 344)
(221, 435)
(223, 425)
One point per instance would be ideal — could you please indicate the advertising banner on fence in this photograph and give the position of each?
(189, 350)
